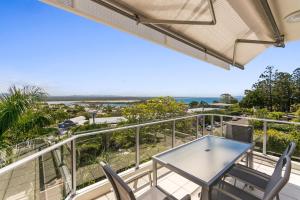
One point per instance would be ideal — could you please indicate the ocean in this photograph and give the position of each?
(188, 100)
(185, 100)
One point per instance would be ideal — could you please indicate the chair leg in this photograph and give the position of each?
(150, 179)
(234, 183)
(135, 184)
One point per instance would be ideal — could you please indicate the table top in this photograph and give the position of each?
(203, 160)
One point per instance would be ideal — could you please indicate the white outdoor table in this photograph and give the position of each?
(203, 161)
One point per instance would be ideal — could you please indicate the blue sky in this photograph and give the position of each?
(70, 55)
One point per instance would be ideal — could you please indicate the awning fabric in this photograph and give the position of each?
(235, 19)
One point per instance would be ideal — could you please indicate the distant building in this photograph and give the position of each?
(67, 124)
(80, 120)
(108, 120)
(221, 105)
(192, 110)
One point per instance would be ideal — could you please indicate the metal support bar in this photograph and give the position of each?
(144, 20)
(173, 133)
(221, 122)
(62, 155)
(203, 124)
(212, 124)
(73, 150)
(237, 41)
(197, 126)
(137, 148)
(265, 136)
(169, 22)
(278, 36)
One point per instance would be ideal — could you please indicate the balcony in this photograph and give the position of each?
(70, 168)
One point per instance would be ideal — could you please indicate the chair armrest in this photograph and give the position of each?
(266, 158)
(253, 172)
(138, 176)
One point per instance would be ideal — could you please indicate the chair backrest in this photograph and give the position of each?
(277, 180)
(290, 149)
(287, 152)
(121, 189)
(239, 132)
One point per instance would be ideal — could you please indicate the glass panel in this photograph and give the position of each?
(258, 127)
(154, 139)
(185, 130)
(16, 152)
(280, 135)
(116, 148)
(207, 125)
(217, 127)
(43, 178)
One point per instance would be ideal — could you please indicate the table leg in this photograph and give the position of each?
(154, 169)
(205, 193)
(251, 159)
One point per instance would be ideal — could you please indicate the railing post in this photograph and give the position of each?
(203, 124)
(73, 149)
(62, 155)
(212, 125)
(197, 126)
(221, 122)
(137, 148)
(173, 133)
(265, 138)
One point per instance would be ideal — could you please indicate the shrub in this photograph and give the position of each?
(275, 115)
(278, 141)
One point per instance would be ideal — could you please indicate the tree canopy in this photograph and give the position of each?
(16, 103)
(227, 98)
(156, 108)
(274, 90)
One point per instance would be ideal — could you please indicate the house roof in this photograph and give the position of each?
(222, 32)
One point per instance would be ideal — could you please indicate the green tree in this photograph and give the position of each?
(16, 103)
(227, 98)
(203, 103)
(296, 82)
(193, 104)
(253, 98)
(156, 108)
(267, 82)
(283, 91)
(274, 90)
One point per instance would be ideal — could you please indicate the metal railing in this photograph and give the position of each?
(72, 139)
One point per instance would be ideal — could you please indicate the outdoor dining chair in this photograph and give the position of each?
(227, 191)
(254, 178)
(123, 191)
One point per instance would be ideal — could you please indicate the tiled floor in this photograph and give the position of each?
(179, 186)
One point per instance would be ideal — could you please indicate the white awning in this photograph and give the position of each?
(221, 32)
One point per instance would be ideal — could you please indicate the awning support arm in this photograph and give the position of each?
(279, 38)
(278, 43)
(127, 12)
(277, 35)
(144, 20)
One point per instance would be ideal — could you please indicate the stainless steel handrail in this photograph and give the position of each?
(51, 148)
(73, 138)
